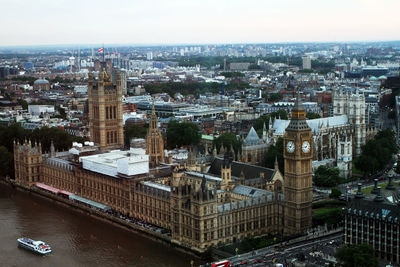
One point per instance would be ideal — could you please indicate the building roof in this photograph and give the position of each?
(250, 191)
(249, 171)
(252, 137)
(335, 121)
(41, 81)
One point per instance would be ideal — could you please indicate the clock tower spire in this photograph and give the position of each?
(298, 172)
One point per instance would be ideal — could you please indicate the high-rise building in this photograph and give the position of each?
(298, 154)
(105, 111)
(306, 62)
(154, 141)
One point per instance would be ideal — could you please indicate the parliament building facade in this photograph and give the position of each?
(202, 206)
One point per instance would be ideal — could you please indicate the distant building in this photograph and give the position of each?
(237, 66)
(37, 110)
(41, 84)
(306, 62)
(375, 219)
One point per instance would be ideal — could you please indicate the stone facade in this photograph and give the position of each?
(105, 111)
(254, 147)
(352, 105)
(155, 141)
(298, 154)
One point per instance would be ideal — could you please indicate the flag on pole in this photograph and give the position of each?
(100, 50)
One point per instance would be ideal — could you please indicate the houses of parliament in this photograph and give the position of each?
(202, 205)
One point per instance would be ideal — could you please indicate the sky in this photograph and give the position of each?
(51, 22)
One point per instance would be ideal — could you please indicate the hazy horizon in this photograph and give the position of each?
(157, 22)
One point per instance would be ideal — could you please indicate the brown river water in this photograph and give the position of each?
(76, 239)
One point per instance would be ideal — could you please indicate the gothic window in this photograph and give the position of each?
(108, 137)
(342, 148)
(107, 113)
(115, 113)
(338, 108)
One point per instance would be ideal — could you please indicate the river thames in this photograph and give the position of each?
(76, 239)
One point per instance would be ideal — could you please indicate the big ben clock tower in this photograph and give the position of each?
(298, 152)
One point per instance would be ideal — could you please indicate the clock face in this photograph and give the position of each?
(305, 147)
(290, 147)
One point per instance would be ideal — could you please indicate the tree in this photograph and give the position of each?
(275, 97)
(312, 115)
(132, 131)
(182, 134)
(6, 162)
(376, 153)
(335, 193)
(275, 151)
(61, 110)
(326, 177)
(398, 167)
(23, 103)
(227, 140)
(357, 256)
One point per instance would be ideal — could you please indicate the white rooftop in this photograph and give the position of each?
(131, 162)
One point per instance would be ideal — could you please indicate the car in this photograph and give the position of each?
(257, 261)
(244, 262)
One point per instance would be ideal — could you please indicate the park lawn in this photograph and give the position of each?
(367, 190)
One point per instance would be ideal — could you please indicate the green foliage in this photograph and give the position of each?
(61, 110)
(132, 131)
(326, 177)
(312, 115)
(62, 141)
(357, 256)
(275, 151)
(192, 88)
(259, 123)
(328, 204)
(335, 193)
(182, 134)
(306, 71)
(23, 103)
(327, 216)
(376, 153)
(232, 74)
(275, 97)
(250, 243)
(227, 139)
(6, 162)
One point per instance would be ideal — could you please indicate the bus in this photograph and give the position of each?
(224, 263)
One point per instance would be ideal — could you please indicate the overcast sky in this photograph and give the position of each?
(28, 22)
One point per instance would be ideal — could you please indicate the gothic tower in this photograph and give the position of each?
(298, 154)
(27, 162)
(226, 173)
(154, 141)
(105, 111)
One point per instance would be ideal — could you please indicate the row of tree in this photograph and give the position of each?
(191, 88)
(61, 139)
(376, 153)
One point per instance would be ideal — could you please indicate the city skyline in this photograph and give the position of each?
(197, 22)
